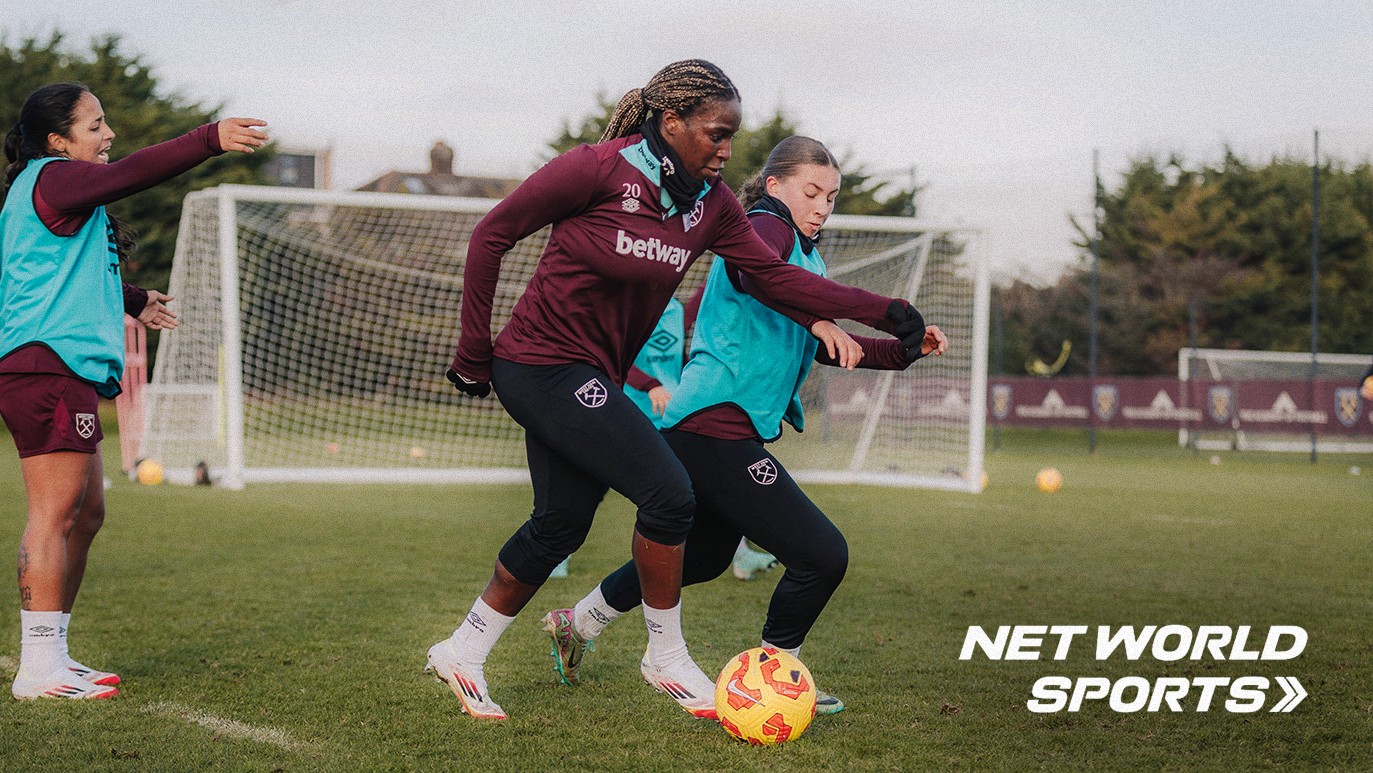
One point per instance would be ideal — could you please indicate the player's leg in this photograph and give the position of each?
(89, 519)
(585, 418)
(55, 485)
(52, 420)
(565, 501)
(752, 491)
(707, 556)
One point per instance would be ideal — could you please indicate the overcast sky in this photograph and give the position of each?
(997, 105)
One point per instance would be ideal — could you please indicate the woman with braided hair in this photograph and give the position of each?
(629, 216)
(748, 361)
(62, 308)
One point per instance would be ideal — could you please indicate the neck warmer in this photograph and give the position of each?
(776, 206)
(681, 187)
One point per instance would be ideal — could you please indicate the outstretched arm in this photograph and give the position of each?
(74, 188)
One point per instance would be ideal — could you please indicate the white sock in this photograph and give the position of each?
(665, 643)
(66, 626)
(479, 632)
(795, 652)
(592, 614)
(40, 640)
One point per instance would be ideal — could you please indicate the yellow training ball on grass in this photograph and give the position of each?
(416, 452)
(765, 696)
(149, 472)
(1049, 480)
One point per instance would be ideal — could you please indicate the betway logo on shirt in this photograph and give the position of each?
(653, 249)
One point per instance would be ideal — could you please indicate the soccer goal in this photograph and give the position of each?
(1272, 401)
(316, 328)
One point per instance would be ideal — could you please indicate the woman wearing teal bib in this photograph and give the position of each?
(62, 308)
(749, 357)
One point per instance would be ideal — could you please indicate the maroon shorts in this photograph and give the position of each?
(47, 412)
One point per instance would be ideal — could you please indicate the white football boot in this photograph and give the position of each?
(466, 682)
(90, 674)
(685, 682)
(61, 683)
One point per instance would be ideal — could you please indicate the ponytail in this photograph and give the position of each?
(49, 110)
(681, 87)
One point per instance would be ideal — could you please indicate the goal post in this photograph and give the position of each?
(1275, 401)
(316, 326)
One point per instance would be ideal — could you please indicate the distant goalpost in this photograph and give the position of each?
(316, 327)
(1268, 401)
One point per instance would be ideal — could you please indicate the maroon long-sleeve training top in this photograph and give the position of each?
(613, 259)
(68, 192)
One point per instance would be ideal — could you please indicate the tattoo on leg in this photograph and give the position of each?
(25, 598)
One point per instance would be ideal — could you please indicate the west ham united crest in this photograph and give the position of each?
(1348, 407)
(592, 394)
(85, 425)
(1001, 401)
(1220, 403)
(764, 472)
(1105, 401)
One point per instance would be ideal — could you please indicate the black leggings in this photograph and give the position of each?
(583, 435)
(742, 490)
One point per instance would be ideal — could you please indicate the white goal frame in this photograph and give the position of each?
(1345, 367)
(217, 428)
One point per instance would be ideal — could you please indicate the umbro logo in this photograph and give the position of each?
(42, 630)
(592, 394)
(629, 205)
(476, 621)
(764, 472)
(662, 341)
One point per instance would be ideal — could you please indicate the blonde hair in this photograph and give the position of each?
(681, 87)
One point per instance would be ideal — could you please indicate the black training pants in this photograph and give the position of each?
(584, 435)
(742, 490)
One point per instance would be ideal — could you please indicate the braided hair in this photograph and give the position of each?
(681, 87)
(51, 110)
(790, 154)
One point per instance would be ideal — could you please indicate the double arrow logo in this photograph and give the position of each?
(1292, 694)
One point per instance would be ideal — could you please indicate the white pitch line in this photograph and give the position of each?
(228, 727)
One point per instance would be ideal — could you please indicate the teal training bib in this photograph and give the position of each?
(62, 291)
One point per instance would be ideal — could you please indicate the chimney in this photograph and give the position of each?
(441, 159)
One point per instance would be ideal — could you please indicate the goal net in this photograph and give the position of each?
(1274, 401)
(316, 328)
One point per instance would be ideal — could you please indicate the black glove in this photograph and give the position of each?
(467, 386)
(909, 327)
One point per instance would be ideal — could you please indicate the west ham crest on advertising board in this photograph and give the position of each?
(1220, 403)
(1001, 401)
(1348, 406)
(1105, 401)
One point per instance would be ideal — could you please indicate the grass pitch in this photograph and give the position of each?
(283, 628)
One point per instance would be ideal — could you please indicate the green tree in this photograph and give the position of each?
(1234, 239)
(141, 114)
(858, 194)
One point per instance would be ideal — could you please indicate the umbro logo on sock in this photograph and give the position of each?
(654, 627)
(476, 621)
(42, 630)
(599, 616)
